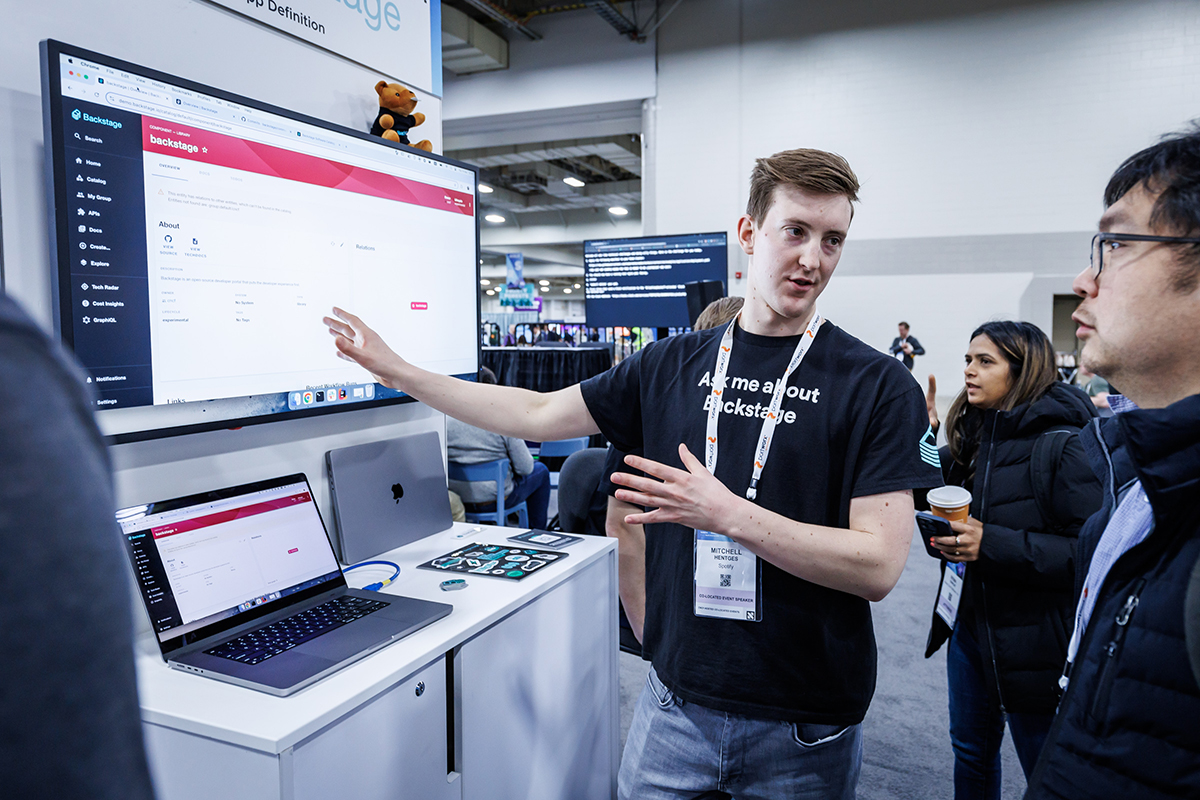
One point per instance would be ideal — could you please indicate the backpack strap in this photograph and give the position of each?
(1048, 451)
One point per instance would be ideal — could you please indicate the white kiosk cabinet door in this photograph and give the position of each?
(539, 696)
(393, 747)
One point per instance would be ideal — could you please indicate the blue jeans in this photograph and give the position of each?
(977, 724)
(678, 750)
(534, 487)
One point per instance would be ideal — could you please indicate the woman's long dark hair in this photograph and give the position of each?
(1031, 371)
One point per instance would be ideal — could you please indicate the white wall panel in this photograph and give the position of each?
(1003, 123)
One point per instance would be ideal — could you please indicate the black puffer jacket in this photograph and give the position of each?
(1126, 727)
(1018, 595)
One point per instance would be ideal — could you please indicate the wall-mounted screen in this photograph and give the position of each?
(640, 282)
(199, 237)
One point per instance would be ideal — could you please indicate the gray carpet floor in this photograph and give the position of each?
(906, 749)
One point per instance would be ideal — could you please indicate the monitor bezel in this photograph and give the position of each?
(56, 194)
(634, 324)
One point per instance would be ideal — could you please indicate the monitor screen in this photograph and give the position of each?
(199, 238)
(640, 282)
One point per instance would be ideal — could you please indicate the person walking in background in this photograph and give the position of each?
(527, 479)
(1013, 443)
(1126, 725)
(904, 347)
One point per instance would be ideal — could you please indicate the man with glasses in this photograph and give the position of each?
(1126, 725)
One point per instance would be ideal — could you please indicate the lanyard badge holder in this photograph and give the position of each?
(726, 577)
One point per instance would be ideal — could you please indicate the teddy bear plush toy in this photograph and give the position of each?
(396, 115)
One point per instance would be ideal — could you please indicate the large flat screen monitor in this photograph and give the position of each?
(199, 237)
(640, 282)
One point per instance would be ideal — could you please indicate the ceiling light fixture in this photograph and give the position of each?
(571, 180)
(485, 189)
(545, 288)
(543, 283)
(484, 282)
(577, 286)
(566, 291)
(618, 211)
(491, 292)
(495, 218)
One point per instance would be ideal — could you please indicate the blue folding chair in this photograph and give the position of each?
(560, 448)
(490, 471)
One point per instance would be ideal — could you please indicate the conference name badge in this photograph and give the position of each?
(726, 579)
(950, 592)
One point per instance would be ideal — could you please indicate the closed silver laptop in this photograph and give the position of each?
(387, 494)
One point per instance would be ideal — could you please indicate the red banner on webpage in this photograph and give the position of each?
(217, 517)
(195, 144)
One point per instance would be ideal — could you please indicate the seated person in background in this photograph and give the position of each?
(1096, 387)
(631, 539)
(510, 338)
(69, 719)
(528, 480)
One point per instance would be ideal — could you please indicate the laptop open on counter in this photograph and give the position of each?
(387, 494)
(241, 585)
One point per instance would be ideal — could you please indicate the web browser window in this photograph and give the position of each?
(204, 563)
(205, 238)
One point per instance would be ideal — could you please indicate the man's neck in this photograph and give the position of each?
(1158, 391)
(760, 319)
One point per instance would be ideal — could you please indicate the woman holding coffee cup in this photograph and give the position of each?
(1018, 489)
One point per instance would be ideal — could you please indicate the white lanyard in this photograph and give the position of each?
(772, 418)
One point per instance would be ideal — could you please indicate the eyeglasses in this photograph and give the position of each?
(1101, 246)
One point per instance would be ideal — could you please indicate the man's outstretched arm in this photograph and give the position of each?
(502, 409)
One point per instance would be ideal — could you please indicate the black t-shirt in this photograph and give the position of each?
(850, 426)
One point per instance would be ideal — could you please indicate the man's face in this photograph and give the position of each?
(1132, 323)
(792, 257)
(903, 331)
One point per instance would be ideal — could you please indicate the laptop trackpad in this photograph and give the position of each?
(349, 640)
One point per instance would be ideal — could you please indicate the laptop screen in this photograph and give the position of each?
(209, 562)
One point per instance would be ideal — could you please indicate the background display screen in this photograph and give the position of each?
(640, 282)
(200, 237)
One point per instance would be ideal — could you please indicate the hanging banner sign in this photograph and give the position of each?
(523, 299)
(392, 36)
(516, 270)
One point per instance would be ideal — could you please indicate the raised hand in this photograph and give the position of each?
(356, 342)
(931, 404)
(690, 496)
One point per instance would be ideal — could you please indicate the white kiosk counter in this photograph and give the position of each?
(514, 695)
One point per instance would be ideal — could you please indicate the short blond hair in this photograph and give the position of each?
(814, 171)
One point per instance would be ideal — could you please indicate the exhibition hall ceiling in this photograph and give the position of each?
(597, 172)
(636, 19)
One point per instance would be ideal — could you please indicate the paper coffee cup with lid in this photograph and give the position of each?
(950, 502)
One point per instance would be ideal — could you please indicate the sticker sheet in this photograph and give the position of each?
(495, 560)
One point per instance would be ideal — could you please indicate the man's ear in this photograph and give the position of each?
(745, 234)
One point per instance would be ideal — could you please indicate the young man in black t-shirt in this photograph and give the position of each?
(780, 455)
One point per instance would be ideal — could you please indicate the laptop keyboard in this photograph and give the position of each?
(257, 646)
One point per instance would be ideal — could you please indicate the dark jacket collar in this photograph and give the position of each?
(1061, 404)
(1158, 446)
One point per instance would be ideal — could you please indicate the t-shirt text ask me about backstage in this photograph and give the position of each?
(850, 425)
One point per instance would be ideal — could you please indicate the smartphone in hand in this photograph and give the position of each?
(931, 525)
